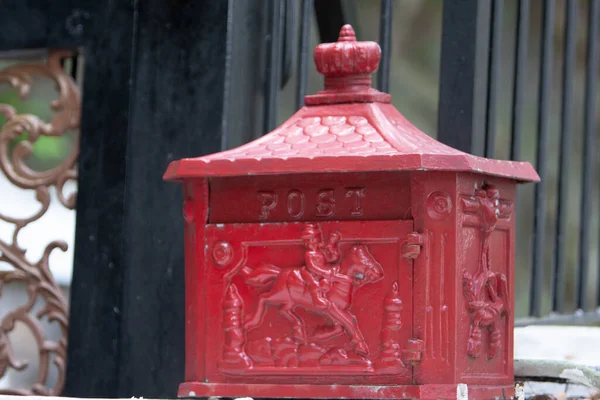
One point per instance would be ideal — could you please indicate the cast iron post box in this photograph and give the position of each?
(348, 254)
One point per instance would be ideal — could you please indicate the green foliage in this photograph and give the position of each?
(46, 150)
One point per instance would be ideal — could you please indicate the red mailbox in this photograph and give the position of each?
(348, 254)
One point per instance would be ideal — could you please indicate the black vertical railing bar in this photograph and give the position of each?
(494, 74)
(520, 72)
(330, 16)
(539, 222)
(589, 147)
(518, 93)
(303, 54)
(227, 81)
(463, 77)
(244, 84)
(288, 33)
(385, 41)
(566, 112)
(272, 77)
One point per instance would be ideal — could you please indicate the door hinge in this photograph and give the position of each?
(412, 247)
(413, 352)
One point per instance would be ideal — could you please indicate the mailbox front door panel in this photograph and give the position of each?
(271, 320)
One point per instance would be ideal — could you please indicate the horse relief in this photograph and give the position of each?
(324, 286)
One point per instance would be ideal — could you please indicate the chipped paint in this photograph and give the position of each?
(462, 392)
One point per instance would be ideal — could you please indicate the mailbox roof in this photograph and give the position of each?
(347, 127)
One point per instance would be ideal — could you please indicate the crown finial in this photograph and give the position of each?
(347, 65)
(347, 56)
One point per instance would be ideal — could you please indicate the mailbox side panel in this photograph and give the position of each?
(195, 214)
(486, 258)
(433, 209)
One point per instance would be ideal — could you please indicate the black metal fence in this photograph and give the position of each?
(172, 79)
(566, 116)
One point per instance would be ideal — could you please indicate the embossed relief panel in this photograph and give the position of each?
(308, 302)
(486, 226)
(39, 133)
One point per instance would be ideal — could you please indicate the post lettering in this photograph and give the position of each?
(357, 193)
(325, 203)
(295, 204)
(268, 203)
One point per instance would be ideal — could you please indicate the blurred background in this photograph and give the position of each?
(414, 85)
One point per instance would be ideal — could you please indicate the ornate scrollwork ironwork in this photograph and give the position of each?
(36, 276)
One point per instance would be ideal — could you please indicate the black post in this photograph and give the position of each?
(464, 74)
(96, 304)
(177, 104)
(155, 89)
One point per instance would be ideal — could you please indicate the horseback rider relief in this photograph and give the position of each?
(318, 258)
(324, 284)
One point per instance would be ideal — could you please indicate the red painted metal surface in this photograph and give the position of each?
(347, 254)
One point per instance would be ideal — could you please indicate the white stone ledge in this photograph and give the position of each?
(577, 344)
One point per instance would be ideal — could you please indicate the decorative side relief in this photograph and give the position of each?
(36, 275)
(436, 325)
(322, 288)
(390, 359)
(439, 205)
(472, 205)
(233, 314)
(486, 292)
(222, 253)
